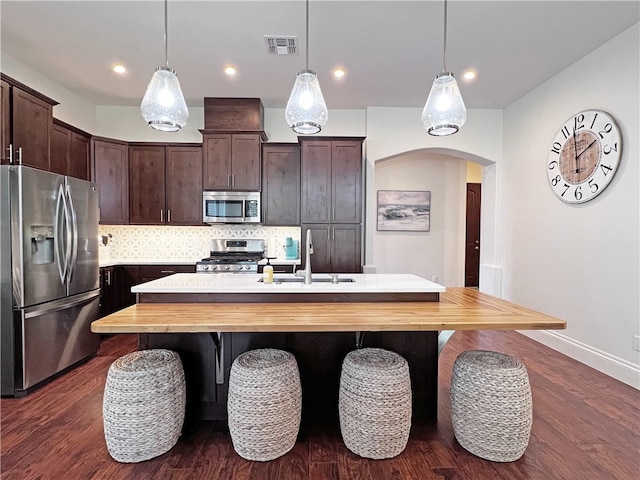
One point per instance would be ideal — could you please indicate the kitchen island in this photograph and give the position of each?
(181, 312)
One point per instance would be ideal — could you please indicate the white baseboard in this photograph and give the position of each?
(606, 363)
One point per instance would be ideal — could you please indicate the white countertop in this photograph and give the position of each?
(248, 283)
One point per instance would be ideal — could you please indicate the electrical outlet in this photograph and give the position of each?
(434, 279)
(636, 342)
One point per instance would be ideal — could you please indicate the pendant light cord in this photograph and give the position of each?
(166, 35)
(444, 53)
(307, 41)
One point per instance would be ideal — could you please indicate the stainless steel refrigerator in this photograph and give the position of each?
(49, 275)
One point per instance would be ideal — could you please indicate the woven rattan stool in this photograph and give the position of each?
(375, 403)
(143, 405)
(491, 405)
(264, 404)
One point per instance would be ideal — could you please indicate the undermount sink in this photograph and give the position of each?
(314, 280)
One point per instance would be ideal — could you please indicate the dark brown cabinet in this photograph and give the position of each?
(26, 125)
(280, 184)
(331, 180)
(332, 203)
(231, 161)
(110, 291)
(148, 273)
(5, 117)
(111, 173)
(116, 282)
(165, 185)
(70, 150)
(336, 247)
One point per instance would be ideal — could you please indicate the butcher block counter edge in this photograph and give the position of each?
(458, 309)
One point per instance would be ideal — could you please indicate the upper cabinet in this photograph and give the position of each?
(331, 180)
(281, 184)
(165, 184)
(231, 161)
(27, 119)
(5, 114)
(70, 151)
(111, 174)
(232, 138)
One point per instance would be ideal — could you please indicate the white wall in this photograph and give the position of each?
(440, 251)
(577, 262)
(71, 109)
(392, 133)
(126, 123)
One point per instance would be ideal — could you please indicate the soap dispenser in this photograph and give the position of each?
(267, 272)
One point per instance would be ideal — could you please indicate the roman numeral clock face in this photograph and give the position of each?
(584, 156)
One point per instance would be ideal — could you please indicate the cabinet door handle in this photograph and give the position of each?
(10, 148)
(19, 155)
(161, 216)
(228, 180)
(108, 277)
(168, 216)
(233, 181)
(167, 271)
(333, 233)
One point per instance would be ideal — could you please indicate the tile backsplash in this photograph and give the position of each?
(189, 244)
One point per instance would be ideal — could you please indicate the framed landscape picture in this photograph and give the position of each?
(402, 210)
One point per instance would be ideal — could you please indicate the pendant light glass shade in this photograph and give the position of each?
(306, 111)
(444, 113)
(163, 106)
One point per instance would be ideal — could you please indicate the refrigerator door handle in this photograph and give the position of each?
(59, 305)
(59, 249)
(74, 234)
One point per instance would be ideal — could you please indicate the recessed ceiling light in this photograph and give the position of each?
(119, 68)
(469, 74)
(230, 70)
(338, 72)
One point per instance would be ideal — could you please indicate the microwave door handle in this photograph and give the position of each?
(57, 235)
(244, 209)
(74, 233)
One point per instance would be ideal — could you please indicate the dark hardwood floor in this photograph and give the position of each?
(586, 427)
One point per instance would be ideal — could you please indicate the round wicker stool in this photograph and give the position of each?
(491, 406)
(264, 404)
(375, 403)
(143, 405)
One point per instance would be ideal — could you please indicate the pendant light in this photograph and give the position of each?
(444, 113)
(163, 106)
(306, 112)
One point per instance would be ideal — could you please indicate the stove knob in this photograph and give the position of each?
(204, 267)
(213, 267)
(227, 267)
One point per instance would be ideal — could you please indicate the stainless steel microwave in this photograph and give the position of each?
(231, 207)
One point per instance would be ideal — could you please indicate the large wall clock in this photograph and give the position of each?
(584, 156)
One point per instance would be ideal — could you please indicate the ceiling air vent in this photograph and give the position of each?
(281, 45)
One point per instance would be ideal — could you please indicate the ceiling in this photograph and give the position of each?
(390, 50)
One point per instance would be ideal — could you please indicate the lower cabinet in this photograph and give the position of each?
(109, 291)
(336, 247)
(116, 282)
(279, 268)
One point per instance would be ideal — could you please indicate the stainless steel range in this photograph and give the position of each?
(232, 256)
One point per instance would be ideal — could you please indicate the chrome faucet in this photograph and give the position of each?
(306, 273)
